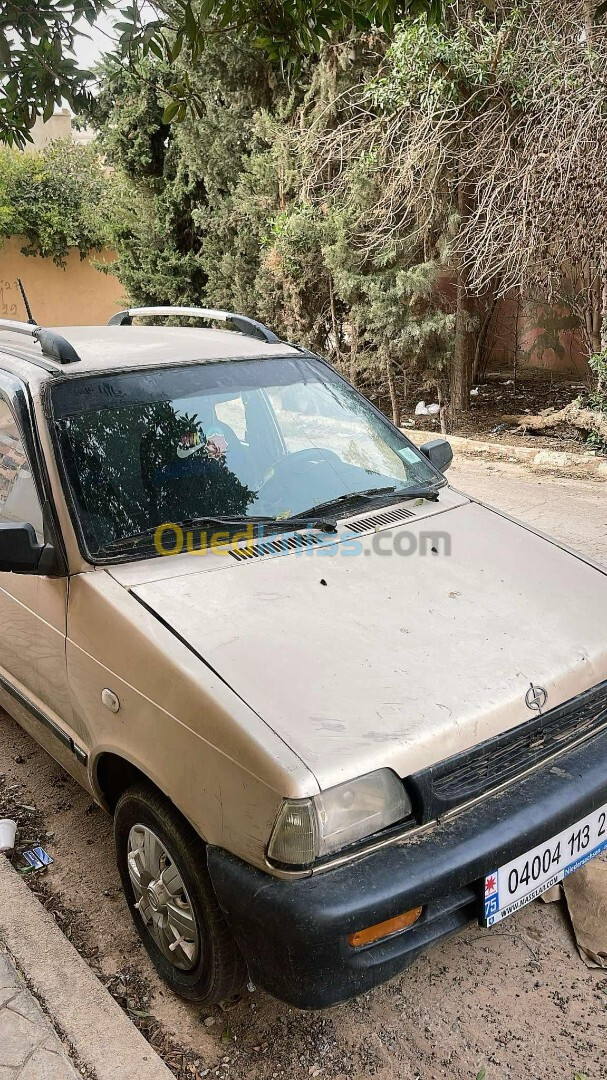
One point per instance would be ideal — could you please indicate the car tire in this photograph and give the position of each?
(205, 965)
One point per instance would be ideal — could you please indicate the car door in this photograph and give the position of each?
(33, 607)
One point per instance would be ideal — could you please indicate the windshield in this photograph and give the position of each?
(243, 439)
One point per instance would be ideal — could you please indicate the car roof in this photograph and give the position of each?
(103, 348)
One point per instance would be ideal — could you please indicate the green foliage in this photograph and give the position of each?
(37, 66)
(172, 220)
(598, 364)
(285, 31)
(213, 211)
(56, 198)
(39, 39)
(112, 512)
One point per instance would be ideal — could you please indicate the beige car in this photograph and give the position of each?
(337, 708)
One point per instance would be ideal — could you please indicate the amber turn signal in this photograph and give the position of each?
(384, 929)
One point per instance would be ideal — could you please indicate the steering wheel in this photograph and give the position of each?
(298, 464)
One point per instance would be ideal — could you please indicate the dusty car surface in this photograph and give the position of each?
(337, 708)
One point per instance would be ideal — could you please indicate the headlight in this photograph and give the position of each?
(310, 829)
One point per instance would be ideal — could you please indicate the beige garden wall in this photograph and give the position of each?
(77, 295)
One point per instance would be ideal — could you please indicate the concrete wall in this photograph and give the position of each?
(77, 296)
(59, 126)
(525, 322)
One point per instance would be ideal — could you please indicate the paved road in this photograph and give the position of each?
(575, 511)
(29, 1048)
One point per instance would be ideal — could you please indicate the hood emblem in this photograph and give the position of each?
(536, 697)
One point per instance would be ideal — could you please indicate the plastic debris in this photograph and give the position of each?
(37, 858)
(432, 410)
(420, 409)
(8, 831)
(474, 392)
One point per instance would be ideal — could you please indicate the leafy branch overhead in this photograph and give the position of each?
(39, 42)
(38, 68)
(285, 31)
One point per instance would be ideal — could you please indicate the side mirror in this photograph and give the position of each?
(20, 552)
(439, 453)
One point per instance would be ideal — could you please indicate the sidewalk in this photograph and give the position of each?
(29, 1048)
(107, 1044)
(583, 466)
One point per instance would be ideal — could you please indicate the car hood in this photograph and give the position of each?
(378, 659)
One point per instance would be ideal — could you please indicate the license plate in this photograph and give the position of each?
(522, 880)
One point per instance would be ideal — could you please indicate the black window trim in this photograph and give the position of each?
(15, 393)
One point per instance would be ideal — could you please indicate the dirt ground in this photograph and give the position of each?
(498, 403)
(516, 1001)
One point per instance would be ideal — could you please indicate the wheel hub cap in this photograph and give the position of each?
(162, 899)
(158, 896)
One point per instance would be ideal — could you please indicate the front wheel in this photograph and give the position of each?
(162, 864)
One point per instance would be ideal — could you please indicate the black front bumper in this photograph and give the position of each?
(293, 934)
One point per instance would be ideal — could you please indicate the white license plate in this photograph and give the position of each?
(525, 878)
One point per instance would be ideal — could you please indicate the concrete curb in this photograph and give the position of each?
(580, 466)
(99, 1032)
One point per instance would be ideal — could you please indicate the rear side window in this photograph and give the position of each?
(18, 496)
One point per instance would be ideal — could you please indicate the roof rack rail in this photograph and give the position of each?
(53, 345)
(247, 326)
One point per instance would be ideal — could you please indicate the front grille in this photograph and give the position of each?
(475, 772)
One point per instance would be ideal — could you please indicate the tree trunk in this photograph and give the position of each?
(353, 353)
(334, 323)
(593, 317)
(516, 340)
(578, 417)
(596, 325)
(602, 379)
(442, 410)
(478, 349)
(463, 359)
(392, 389)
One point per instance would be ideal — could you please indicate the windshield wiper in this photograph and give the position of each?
(351, 496)
(324, 524)
(298, 521)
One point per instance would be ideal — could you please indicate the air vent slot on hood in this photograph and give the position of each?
(291, 542)
(383, 517)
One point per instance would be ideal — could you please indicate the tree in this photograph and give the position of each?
(286, 30)
(38, 39)
(496, 121)
(37, 65)
(173, 183)
(216, 210)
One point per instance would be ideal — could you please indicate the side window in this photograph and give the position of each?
(18, 497)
